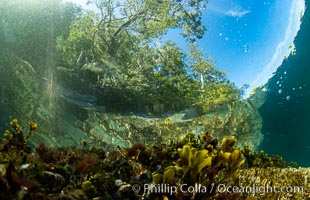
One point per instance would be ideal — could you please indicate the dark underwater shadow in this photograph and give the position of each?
(286, 112)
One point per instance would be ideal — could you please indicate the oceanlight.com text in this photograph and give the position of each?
(259, 189)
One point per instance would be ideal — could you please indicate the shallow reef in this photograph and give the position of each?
(190, 168)
(68, 112)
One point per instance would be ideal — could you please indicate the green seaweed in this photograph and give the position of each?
(55, 173)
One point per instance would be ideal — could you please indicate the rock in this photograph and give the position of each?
(67, 115)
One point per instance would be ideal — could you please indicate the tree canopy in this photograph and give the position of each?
(120, 50)
(118, 53)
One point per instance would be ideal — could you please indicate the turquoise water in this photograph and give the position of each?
(73, 99)
(286, 112)
(96, 107)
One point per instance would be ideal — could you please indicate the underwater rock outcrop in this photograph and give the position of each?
(27, 95)
(69, 115)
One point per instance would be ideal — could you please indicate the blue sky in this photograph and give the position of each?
(247, 38)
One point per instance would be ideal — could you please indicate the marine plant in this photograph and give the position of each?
(85, 173)
(202, 161)
(15, 139)
(191, 162)
(261, 159)
(14, 152)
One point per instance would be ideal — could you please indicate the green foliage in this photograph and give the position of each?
(124, 27)
(204, 70)
(117, 53)
(120, 52)
(82, 38)
(216, 94)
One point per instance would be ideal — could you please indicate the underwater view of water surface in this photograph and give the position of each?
(144, 99)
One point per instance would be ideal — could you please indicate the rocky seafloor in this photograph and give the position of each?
(67, 115)
(80, 151)
(189, 168)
